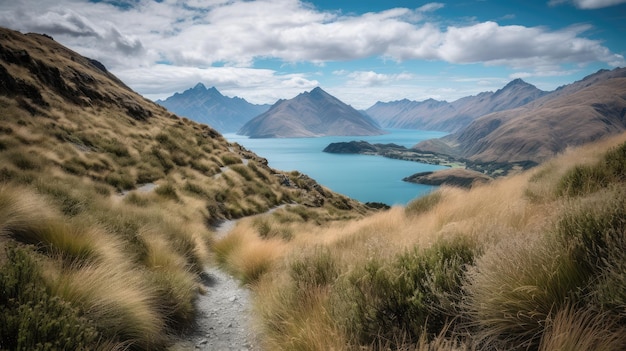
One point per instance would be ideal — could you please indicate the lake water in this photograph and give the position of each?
(362, 177)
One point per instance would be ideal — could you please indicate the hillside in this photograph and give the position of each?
(209, 106)
(107, 204)
(573, 115)
(310, 114)
(533, 261)
(452, 116)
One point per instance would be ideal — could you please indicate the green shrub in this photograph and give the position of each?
(417, 293)
(596, 230)
(582, 180)
(317, 270)
(423, 204)
(516, 288)
(31, 318)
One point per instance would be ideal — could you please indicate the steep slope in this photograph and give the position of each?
(310, 114)
(210, 107)
(444, 116)
(107, 203)
(572, 115)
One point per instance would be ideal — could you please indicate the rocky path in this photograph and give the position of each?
(224, 321)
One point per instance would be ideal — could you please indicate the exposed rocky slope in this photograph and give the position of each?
(310, 114)
(452, 116)
(210, 107)
(578, 113)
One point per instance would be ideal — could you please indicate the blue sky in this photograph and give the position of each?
(360, 51)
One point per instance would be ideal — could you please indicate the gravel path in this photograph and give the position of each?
(224, 321)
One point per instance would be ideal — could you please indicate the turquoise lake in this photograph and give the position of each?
(365, 178)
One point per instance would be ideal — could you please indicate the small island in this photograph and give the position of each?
(394, 151)
(459, 177)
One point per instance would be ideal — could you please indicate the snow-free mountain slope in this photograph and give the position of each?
(432, 114)
(573, 115)
(310, 114)
(210, 107)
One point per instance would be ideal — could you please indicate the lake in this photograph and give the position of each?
(364, 178)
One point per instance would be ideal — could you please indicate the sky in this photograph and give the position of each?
(359, 51)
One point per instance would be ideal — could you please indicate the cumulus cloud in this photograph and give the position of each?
(196, 36)
(237, 33)
(519, 46)
(588, 4)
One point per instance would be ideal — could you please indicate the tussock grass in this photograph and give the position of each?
(579, 329)
(118, 299)
(247, 255)
(512, 265)
(516, 286)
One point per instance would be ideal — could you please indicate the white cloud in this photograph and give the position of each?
(588, 4)
(519, 46)
(371, 78)
(433, 6)
(196, 36)
(237, 33)
(161, 81)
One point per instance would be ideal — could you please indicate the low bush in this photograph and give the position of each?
(423, 204)
(33, 319)
(582, 180)
(417, 293)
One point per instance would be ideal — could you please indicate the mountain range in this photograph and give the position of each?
(209, 106)
(452, 116)
(572, 115)
(310, 114)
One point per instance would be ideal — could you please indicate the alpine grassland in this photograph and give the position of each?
(108, 204)
(533, 261)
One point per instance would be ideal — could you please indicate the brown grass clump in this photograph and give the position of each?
(572, 328)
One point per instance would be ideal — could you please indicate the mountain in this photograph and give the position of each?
(581, 112)
(310, 114)
(108, 202)
(210, 107)
(445, 116)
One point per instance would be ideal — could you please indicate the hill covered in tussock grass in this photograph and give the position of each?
(534, 261)
(107, 201)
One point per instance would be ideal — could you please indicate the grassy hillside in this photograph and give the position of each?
(107, 202)
(529, 262)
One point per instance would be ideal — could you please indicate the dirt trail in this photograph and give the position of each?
(224, 320)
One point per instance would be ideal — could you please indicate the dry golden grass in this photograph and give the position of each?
(117, 298)
(583, 330)
(508, 222)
